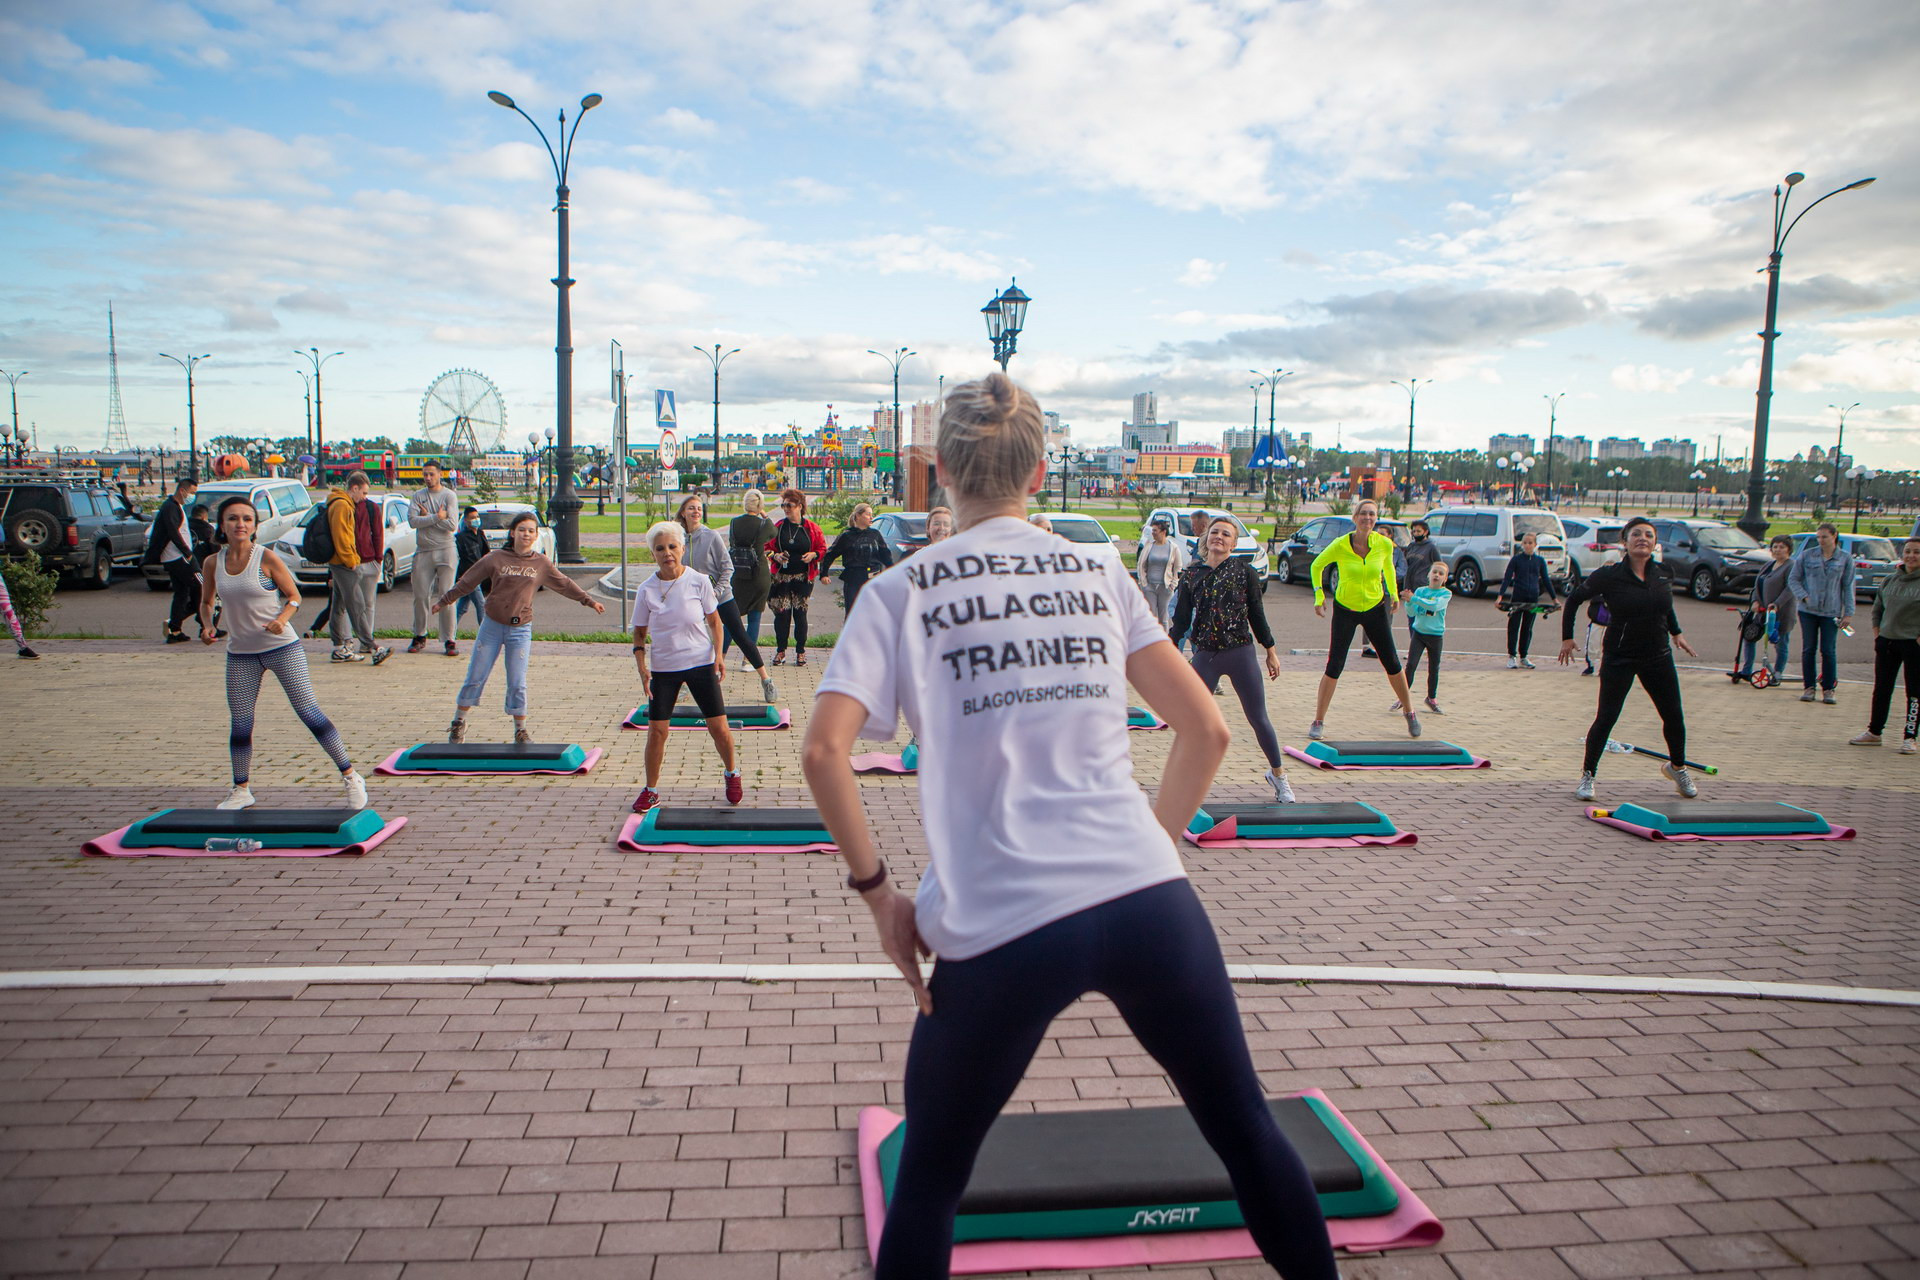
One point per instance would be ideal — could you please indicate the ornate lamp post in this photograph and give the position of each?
(1619, 477)
(1272, 383)
(1006, 317)
(13, 392)
(1412, 387)
(1861, 477)
(1067, 458)
(1697, 476)
(319, 419)
(193, 438)
(716, 358)
(1553, 427)
(1754, 522)
(1838, 439)
(899, 357)
(564, 513)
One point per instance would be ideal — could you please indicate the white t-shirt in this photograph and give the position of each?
(1005, 648)
(675, 615)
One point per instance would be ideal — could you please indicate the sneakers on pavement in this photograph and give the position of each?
(356, 790)
(734, 788)
(1395, 706)
(1513, 664)
(1682, 780)
(767, 690)
(26, 651)
(1585, 790)
(452, 649)
(1907, 747)
(1413, 725)
(1526, 664)
(347, 655)
(457, 731)
(381, 654)
(1867, 739)
(241, 798)
(1809, 695)
(1317, 730)
(1829, 698)
(647, 798)
(1434, 707)
(1282, 789)
(419, 643)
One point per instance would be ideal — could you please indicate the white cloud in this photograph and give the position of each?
(1650, 377)
(1199, 271)
(690, 123)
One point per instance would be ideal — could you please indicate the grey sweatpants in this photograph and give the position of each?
(353, 592)
(1158, 598)
(432, 578)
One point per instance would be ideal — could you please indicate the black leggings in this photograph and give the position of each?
(1419, 642)
(1241, 666)
(736, 631)
(851, 580)
(1889, 657)
(1519, 630)
(1379, 635)
(186, 592)
(1154, 954)
(1662, 683)
(798, 614)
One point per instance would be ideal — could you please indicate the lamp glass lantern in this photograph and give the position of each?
(1013, 307)
(996, 319)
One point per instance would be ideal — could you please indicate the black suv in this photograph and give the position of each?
(75, 525)
(1708, 557)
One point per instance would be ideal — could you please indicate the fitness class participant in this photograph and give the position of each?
(431, 511)
(747, 538)
(796, 548)
(1364, 594)
(261, 598)
(1520, 587)
(939, 525)
(1415, 560)
(169, 545)
(1220, 610)
(1426, 627)
(1772, 595)
(1822, 583)
(1010, 652)
(506, 620)
(1161, 562)
(1896, 648)
(677, 609)
(470, 546)
(706, 552)
(1637, 591)
(862, 553)
(13, 622)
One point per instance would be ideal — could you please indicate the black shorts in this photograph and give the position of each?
(704, 682)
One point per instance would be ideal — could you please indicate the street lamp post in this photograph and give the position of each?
(193, 439)
(1619, 477)
(1553, 426)
(307, 382)
(899, 357)
(1272, 383)
(319, 420)
(1838, 439)
(1754, 522)
(1067, 457)
(716, 358)
(1006, 317)
(1697, 476)
(1412, 387)
(13, 393)
(564, 513)
(1862, 477)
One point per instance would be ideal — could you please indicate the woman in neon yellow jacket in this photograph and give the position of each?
(1364, 596)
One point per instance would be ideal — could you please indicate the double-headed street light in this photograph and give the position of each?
(318, 425)
(1412, 387)
(900, 356)
(1272, 383)
(1006, 317)
(1838, 439)
(1619, 477)
(13, 392)
(717, 358)
(1067, 457)
(564, 512)
(1861, 477)
(1553, 426)
(1754, 521)
(1697, 476)
(193, 438)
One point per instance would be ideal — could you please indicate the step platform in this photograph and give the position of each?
(1720, 820)
(885, 762)
(299, 833)
(1397, 753)
(1136, 1185)
(677, 829)
(491, 758)
(1141, 718)
(741, 716)
(1283, 826)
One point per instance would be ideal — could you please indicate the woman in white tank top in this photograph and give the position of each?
(260, 597)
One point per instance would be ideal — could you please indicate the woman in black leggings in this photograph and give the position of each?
(1638, 593)
(1049, 872)
(1219, 607)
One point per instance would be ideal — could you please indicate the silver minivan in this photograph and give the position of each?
(1477, 542)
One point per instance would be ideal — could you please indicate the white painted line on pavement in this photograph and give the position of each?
(668, 971)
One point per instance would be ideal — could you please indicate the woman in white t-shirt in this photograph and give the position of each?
(676, 610)
(1050, 873)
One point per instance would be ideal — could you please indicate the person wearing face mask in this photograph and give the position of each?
(1772, 595)
(1822, 582)
(1366, 593)
(1896, 649)
(862, 552)
(471, 547)
(506, 621)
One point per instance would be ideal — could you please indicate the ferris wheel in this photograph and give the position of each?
(462, 412)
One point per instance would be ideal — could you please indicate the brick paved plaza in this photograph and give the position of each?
(652, 1128)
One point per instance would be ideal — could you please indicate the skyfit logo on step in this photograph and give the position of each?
(1164, 1218)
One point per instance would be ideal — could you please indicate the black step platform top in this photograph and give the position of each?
(678, 819)
(1691, 811)
(1344, 813)
(1402, 747)
(489, 751)
(243, 822)
(1142, 1155)
(733, 711)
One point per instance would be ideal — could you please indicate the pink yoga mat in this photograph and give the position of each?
(387, 766)
(786, 722)
(1318, 763)
(1227, 834)
(109, 846)
(880, 762)
(1649, 833)
(1407, 1227)
(632, 825)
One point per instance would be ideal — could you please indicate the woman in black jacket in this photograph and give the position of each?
(1521, 587)
(1638, 593)
(862, 552)
(470, 547)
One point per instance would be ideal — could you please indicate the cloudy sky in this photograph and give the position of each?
(1511, 197)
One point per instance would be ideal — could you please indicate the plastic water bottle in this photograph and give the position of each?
(228, 844)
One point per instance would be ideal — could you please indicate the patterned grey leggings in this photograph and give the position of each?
(245, 671)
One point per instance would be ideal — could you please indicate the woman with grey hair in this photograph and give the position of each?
(677, 619)
(707, 553)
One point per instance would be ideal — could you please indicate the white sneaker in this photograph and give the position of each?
(1282, 789)
(1585, 790)
(242, 798)
(1526, 664)
(356, 790)
(1907, 747)
(1808, 696)
(1867, 739)
(1682, 780)
(1317, 730)
(1513, 664)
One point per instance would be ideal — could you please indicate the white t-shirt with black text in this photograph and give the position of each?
(675, 615)
(1005, 647)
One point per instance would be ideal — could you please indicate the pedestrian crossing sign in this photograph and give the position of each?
(663, 409)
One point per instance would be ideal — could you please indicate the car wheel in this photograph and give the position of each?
(33, 530)
(1702, 585)
(99, 575)
(1574, 577)
(1286, 568)
(1467, 580)
(387, 574)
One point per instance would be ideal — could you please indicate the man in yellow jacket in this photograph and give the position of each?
(359, 545)
(1365, 593)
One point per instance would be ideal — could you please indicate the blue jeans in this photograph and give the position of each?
(1749, 652)
(751, 621)
(477, 598)
(493, 637)
(1823, 634)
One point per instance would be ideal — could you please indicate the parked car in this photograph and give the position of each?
(1592, 543)
(905, 532)
(1873, 559)
(401, 539)
(1181, 518)
(1087, 533)
(1315, 536)
(76, 526)
(494, 517)
(1708, 557)
(1476, 542)
(282, 503)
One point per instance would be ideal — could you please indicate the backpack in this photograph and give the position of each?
(745, 559)
(316, 544)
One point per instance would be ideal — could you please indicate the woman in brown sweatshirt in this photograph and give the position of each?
(517, 571)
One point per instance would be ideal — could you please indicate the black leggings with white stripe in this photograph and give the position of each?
(245, 671)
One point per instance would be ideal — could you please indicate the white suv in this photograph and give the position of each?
(1477, 542)
(1181, 521)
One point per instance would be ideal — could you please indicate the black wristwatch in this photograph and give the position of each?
(873, 881)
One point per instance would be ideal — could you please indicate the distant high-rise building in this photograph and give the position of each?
(1574, 448)
(1239, 438)
(1502, 445)
(923, 423)
(1137, 435)
(1144, 408)
(1055, 433)
(1815, 454)
(1681, 451)
(1621, 449)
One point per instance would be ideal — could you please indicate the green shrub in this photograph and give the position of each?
(31, 585)
(484, 490)
(1392, 504)
(1340, 506)
(837, 509)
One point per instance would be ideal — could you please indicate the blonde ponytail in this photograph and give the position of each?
(991, 438)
